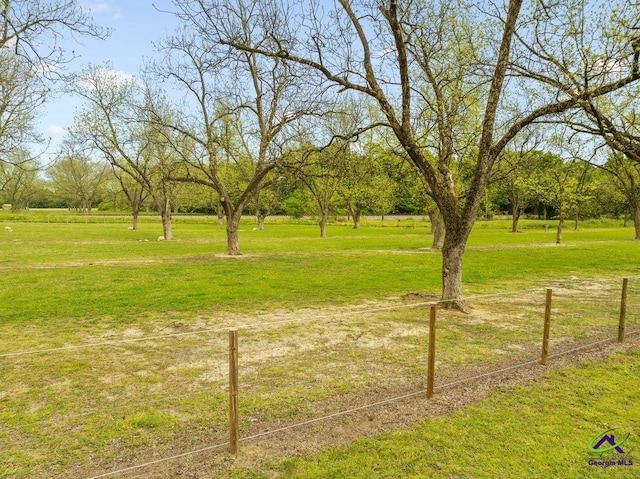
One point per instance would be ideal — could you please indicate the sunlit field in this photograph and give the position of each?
(113, 344)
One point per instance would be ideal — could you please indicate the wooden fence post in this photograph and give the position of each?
(233, 391)
(432, 349)
(623, 310)
(547, 327)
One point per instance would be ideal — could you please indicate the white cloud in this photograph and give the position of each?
(117, 76)
(356, 147)
(106, 77)
(102, 8)
(43, 69)
(612, 65)
(55, 130)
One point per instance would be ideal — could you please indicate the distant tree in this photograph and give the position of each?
(518, 178)
(191, 198)
(134, 191)
(113, 122)
(44, 197)
(565, 187)
(238, 106)
(626, 180)
(410, 194)
(76, 178)
(365, 186)
(298, 203)
(611, 200)
(322, 171)
(270, 197)
(19, 180)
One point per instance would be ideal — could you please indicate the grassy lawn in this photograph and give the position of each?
(132, 331)
(541, 431)
(91, 271)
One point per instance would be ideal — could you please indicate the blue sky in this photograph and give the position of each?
(135, 24)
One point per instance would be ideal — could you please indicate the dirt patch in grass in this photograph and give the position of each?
(309, 435)
(414, 297)
(297, 366)
(372, 408)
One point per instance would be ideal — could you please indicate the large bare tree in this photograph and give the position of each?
(35, 30)
(113, 122)
(32, 34)
(237, 105)
(22, 93)
(455, 81)
(76, 177)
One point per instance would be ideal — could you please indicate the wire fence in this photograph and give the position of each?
(113, 406)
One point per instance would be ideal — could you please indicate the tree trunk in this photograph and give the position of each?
(324, 216)
(559, 231)
(437, 229)
(165, 214)
(350, 213)
(260, 221)
(636, 220)
(166, 225)
(233, 239)
(576, 221)
(136, 206)
(356, 214)
(452, 254)
(220, 214)
(515, 217)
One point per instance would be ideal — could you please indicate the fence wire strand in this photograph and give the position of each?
(325, 365)
(337, 315)
(420, 392)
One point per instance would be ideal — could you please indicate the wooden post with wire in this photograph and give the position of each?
(623, 310)
(233, 391)
(432, 349)
(547, 327)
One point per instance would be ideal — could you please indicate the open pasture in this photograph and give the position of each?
(113, 346)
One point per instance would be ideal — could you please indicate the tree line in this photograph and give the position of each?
(538, 184)
(471, 103)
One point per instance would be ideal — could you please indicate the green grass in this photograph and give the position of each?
(89, 271)
(93, 281)
(538, 431)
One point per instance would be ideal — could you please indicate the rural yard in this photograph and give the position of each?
(115, 347)
(370, 239)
